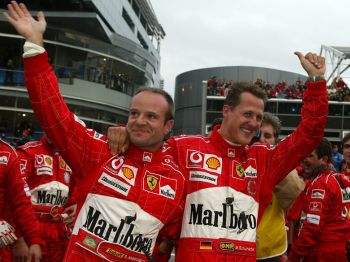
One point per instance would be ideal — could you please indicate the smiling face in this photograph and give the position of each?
(146, 123)
(243, 120)
(311, 162)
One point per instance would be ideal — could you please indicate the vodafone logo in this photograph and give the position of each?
(196, 158)
(117, 163)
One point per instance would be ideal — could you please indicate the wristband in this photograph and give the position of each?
(315, 78)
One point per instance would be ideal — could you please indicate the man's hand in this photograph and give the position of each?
(313, 64)
(34, 253)
(118, 139)
(20, 18)
(69, 214)
(7, 234)
(20, 250)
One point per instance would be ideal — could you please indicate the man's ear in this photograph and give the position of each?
(168, 126)
(325, 160)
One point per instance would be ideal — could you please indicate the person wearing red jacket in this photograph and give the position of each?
(322, 236)
(229, 183)
(346, 155)
(13, 193)
(51, 183)
(135, 194)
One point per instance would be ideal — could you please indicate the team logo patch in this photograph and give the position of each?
(237, 170)
(315, 206)
(43, 161)
(90, 242)
(207, 245)
(313, 219)
(207, 162)
(227, 246)
(317, 193)
(160, 185)
(152, 181)
(147, 156)
(54, 211)
(203, 177)
(346, 194)
(4, 157)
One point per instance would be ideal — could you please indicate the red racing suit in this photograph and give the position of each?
(50, 181)
(14, 194)
(133, 196)
(323, 233)
(226, 184)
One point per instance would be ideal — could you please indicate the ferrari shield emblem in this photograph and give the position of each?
(152, 182)
(239, 171)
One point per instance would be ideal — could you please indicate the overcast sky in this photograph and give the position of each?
(208, 33)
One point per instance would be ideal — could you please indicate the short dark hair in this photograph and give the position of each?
(170, 113)
(233, 97)
(324, 148)
(274, 121)
(345, 139)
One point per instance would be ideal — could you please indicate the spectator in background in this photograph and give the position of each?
(271, 232)
(337, 158)
(217, 121)
(10, 67)
(324, 231)
(346, 155)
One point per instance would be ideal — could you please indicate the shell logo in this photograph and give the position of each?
(63, 164)
(127, 172)
(213, 163)
(48, 161)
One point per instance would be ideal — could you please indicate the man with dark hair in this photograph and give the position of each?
(133, 195)
(323, 233)
(229, 183)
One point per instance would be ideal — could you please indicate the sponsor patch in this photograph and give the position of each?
(160, 185)
(313, 219)
(4, 157)
(114, 165)
(98, 136)
(90, 242)
(315, 206)
(40, 171)
(207, 162)
(22, 165)
(66, 177)
(203, 177)
(207, 245)
(239, 170)
(147, 156)
(43, 161)
(345, 194)
(231, 152)
(251, 187)
(79, 121)
(317, 193)
(114, 184)
(250, 171)
(227, 246)
(128, 173)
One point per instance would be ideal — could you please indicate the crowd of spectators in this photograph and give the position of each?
(337, 91)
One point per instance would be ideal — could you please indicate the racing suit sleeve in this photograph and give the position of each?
(81, 148)
(22, 210)
(316, 210)
(294, 148)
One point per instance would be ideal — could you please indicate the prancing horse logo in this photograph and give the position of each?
(152, 182)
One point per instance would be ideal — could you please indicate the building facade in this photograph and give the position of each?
(101, 52)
